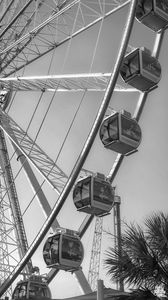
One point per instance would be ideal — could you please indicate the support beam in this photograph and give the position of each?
(57, 29)
(62, 83)
(36, 187)
(41, 161)
(14, 202)
(86, 289)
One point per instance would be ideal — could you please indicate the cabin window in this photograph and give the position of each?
(20, 291)
(71, 249)
(163, 5)
(133, 66)
(150, 64)
(55, 250)
(109, 130)
(130, 129)
(46, 252)
(82, 193)
(102, 192)
(37, 290)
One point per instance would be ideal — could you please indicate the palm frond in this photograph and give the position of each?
(140, 263)
(157, 233)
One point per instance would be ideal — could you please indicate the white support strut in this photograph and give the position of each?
(62, 83)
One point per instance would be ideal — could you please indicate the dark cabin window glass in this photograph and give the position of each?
(163, 5)
(15, 293)
(46, 291)
(38, 291)
(33, 290)
(140, 9)
(71, 249)
(102, 192)
(23, 290)
(112, 128)
(47, 252)
(77, 193)
(86, 191)
(150, 64)
(20, 291)
(148, 6)
(130, 66)
(144, 7)
(109, 130)
(133, 66)
(130, 129)
(82, 193)
(54, 248)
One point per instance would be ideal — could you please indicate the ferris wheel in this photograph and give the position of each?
(54, 97)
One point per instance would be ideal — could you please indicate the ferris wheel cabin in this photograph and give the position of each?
(63, 250)
(141, 70)
(120, 133)
(153, 13)
(35, 287)
(93, 195)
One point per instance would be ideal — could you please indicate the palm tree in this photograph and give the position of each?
(143, 261)
(140, 294)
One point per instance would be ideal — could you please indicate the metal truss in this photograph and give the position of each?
(7, 235)
(13, 241)
(117, 234)
(33, 39)
(37, 188)
(25, 145)
(61, 83)
(95, 254)
(19, 17)
(43, 163)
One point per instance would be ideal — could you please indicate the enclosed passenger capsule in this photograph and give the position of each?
(120, 133)
(35, 287)
(153, 13)
(93, 195)
(141, 70)
(63, 250)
